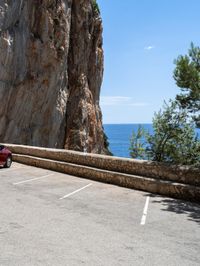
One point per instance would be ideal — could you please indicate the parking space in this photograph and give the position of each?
(50, 218)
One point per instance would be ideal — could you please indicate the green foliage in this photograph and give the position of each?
(106, 144)
(95, 6)
(187, 77)
(137, 147)
(174, 139)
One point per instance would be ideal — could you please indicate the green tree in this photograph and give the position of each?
(187, 77)
(174, 139)
(138, 144)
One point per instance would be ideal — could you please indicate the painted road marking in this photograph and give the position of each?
(68, 195)
(32, 179)
(144, 216)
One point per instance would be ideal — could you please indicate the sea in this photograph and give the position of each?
(119, 136)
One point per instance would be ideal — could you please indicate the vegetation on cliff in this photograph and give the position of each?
(107, 144)
(95, 6)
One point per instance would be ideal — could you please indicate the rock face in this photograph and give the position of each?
(51, 68)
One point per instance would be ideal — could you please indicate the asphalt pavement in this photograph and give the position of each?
(49, 218)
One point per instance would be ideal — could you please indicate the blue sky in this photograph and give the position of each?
(141, 40)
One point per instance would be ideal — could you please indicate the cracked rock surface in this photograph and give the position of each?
(51, 69)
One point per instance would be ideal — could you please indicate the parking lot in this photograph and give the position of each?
(50, 218)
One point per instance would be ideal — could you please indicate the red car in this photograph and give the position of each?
(5, 157)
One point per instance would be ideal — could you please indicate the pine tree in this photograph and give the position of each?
(173, 141)
(187, 77)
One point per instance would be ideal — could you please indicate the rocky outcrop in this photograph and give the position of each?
(51, 68)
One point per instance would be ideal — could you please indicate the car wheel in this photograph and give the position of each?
(8, 162)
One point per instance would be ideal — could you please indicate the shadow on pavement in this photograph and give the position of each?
(192, 210)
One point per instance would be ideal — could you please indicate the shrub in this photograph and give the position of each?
(173, 141)
(95, 6)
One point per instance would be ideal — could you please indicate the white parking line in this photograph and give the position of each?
(143, 220)
(32, 179)
(68, 195)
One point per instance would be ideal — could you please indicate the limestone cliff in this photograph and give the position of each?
(51, 67)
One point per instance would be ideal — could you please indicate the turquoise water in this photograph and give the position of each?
(119, 137)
